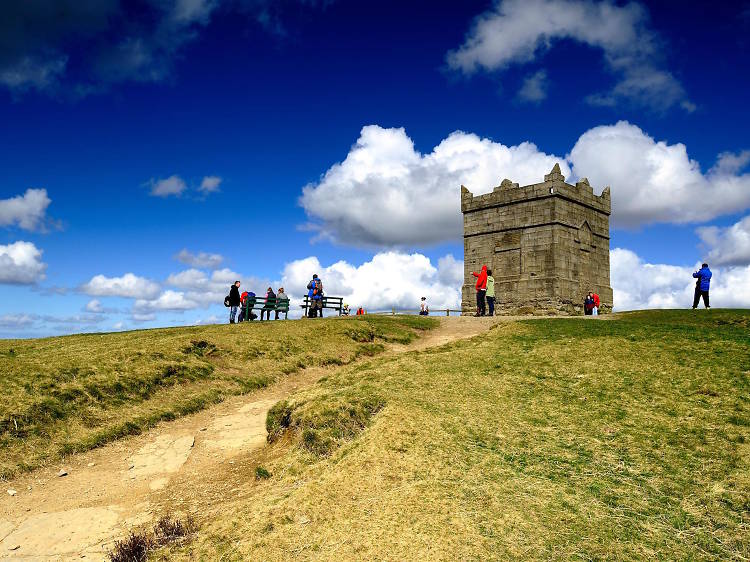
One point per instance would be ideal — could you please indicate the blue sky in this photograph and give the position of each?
(100, 103)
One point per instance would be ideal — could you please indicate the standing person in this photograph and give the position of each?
(234, 301)
(269, 305)
(311, 311)
(588, 305)
(282, 301)
(491, 292)
(320, 295)
(597, 304)
(703, 282)
(481, 287)
(424, 310)
(315, 296)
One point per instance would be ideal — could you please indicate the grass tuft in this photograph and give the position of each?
(138, 545)
(261, 473)
(134, 548)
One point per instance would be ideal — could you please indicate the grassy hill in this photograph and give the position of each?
(587, 439)
(68, 394)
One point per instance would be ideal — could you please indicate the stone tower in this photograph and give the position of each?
(547, 244)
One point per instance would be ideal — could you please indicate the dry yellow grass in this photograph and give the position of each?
(571, 439)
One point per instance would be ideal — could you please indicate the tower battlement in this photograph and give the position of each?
(547, 243)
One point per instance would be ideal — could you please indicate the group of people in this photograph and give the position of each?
(591, 304)
(274, 302)
(485, 287)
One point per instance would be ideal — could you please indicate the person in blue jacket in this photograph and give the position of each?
(703, 281)
(315, 297)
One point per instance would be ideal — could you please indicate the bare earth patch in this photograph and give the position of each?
(109, 490)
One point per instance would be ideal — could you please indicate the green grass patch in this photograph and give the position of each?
(69, 394)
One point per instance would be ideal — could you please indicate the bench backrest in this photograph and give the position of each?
(273, 303)
(328, 302)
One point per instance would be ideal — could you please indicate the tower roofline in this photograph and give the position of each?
(554, 185)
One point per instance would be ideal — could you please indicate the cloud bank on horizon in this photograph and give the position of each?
(386, 195)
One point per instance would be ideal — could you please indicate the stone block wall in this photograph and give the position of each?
(547, 244)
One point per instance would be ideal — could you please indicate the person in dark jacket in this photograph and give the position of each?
(234, 301)
(702, 283)
(588, 305)
(269, 305)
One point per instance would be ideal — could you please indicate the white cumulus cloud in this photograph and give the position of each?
(129, 286)
(173, 185)
(727, 245)
(639, 285)
(385, 193)
(26, 211)
(168, 300)
(205, 290)
(21, 263)
(389, 279)
(201, 259)
(517, 32)
(653, 181)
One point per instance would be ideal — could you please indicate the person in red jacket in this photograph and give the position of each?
(597, 304)
(481, 289)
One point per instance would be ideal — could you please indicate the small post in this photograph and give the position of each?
(447, 311)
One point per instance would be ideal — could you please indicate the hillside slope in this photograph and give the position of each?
(626, 438)
(71, 394)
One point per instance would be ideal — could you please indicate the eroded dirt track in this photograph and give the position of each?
(108, 491)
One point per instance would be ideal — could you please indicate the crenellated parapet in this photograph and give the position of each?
(554, 185)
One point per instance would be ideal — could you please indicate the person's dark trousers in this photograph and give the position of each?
(267, 311)
(491, 305)
(480, 302)
(697, 297)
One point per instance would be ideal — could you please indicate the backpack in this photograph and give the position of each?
(226, 301)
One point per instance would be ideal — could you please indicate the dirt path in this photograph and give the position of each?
(109, 490)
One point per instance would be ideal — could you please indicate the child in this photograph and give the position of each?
(588, 305)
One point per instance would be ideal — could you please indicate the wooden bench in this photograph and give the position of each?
(266, 304)
(334, 303)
